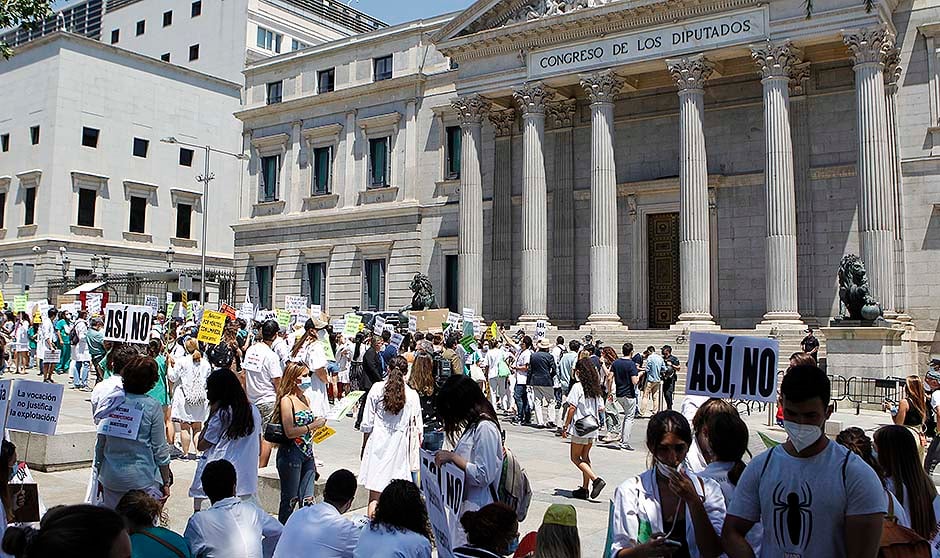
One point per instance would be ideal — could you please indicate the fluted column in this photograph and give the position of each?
(531, 100)
(892, 74)
(504, 123)
(470, 111)
(777, 63)
(690, 74)
(876, 212)
(601, 87)
(562, 286)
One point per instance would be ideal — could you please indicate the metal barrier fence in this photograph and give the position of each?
(856, 390)
(133, 288)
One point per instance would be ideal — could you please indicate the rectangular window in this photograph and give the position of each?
(140, 147)
(378, 162)
(274, 92)
(269, 40)
(326, 81)
(452, 168)
(5, 143)
(165, 57)
(196, 9)
(89, 137)
(168, 18)
(193, 53)
(34, 135)
(451, 283)
(322, 165)
(373, 287)
(23, 274)
(138, 219)
(86, 207)
(186, 157)
(270, 169)
(141, 27)
(3, 209)
(29, 206)
(264, 275)
(382, 68)
(316, 275)
(115, 36)
(298, 45)
(184, 219)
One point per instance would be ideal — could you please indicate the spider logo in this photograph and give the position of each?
(793, 517)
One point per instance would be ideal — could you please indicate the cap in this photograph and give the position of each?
(561, 514)
(544, 343)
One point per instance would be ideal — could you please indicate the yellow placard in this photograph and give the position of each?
(210, 330)
(2, 302)
(322, 433)
(493, 332)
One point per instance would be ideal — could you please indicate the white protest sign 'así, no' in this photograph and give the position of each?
(34, 407)
(732, 366)
(126, 323)
(443, 489)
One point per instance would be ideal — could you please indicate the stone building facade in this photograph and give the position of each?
(676, 164)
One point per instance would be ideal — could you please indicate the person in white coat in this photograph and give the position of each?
(189, 408)
(400, 528)
(666, 510)
(391, 432)
(81, 358)
(309, 350)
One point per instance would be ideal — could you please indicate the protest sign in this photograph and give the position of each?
(52, 355)
(246, 311)
(379, 325)
(732, 366)
(265, 315)
(295, 305)
(93, 302)
(228, 310)
(429, 320)
(453, 318)
(5, 386)
(316, 311)
(540, 328)
(468, 314)
(2, 302)
(170, 306)
(322, 433)
(492, 332)
(193, 309)
(352, 325)
(19, 303)
(29, 512)
(327, 346)
(469, 343)
(34, 407)
(412, 324)
(443, 489)
(396, 340)
(210, 329)
(123, 422)
(345, 404)
(127, 323)
(468, 328)
(153, 302)
(283, 318)
(169, 297)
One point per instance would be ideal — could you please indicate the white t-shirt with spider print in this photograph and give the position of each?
(802, 502)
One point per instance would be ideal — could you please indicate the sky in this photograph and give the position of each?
(389, 11)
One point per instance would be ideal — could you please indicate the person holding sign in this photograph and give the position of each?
(21, 343)
(309, 350)
(400, 526)
(189, 408)
(135, 456)
(48, 343)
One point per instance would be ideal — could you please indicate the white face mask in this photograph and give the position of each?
(802, 436)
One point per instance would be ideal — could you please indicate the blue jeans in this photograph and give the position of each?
(522, 403)
(297, 473)
(80, 373)
(433, 440)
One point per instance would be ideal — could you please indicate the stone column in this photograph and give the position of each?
(876, 212)
(294, 180)
(470, 112)
(601, 88)
(504, 123)
(892, 75)
(799, 127)
(777, 63)
(690, 74)
(562, 287)
(531, 100)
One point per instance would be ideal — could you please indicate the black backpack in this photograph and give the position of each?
(443, 369)
(73, 334)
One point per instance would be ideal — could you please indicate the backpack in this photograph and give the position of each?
(513, 487)
(898, 541)
(443, 369)
(194, 388)
(73, 334)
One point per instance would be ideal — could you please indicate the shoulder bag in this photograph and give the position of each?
(587, 424)
(274, 430)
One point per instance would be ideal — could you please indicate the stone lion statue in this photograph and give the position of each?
(423, 298)
(854, 292)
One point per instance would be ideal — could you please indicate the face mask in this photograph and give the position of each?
(802, 436)
(513, 545)
(666, 470)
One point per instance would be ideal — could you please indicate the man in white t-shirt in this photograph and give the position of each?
(321, 530)
(520, 392)
(812, 496)
(262, 373)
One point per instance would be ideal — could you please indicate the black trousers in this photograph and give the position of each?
(932, 455)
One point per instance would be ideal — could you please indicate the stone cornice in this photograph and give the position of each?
(572, 27)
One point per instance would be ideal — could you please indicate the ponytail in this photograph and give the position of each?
(393, 397)
(302, 341)
(734, 475)
(192, 347)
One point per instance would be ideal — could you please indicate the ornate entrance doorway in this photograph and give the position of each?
(662, 237)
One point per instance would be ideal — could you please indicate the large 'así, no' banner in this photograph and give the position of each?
(732, 366)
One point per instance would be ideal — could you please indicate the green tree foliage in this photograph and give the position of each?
(14, 13)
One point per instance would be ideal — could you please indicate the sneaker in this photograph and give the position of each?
(626, 447)
(580, 493)
(175, 452)
(551, 425)
(597, 487)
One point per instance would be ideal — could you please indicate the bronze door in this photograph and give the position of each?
(662, 236)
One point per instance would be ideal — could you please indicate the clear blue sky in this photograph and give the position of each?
(389, 11)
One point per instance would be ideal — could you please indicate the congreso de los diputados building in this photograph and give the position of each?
(627, 164)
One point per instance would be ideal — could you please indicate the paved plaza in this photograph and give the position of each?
(544, 456)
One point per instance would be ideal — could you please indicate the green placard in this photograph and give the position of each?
(469, 343)
(283, 318)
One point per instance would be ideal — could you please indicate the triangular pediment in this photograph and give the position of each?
(485, 15)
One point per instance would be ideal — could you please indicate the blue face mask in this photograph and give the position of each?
(513, 545)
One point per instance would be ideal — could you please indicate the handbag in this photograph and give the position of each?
(274, 431)
(898, 541)
(587, 424)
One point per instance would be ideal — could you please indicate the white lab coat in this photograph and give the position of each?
(638, 498)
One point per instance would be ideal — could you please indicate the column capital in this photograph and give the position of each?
(532, 97)
(602, 87)
(470, 109)
(504, 121)
(778, 60)
(562, 113)
(869, 46)
(893, 67)
(690, 72)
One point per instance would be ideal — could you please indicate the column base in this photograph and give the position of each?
(604, 323)
(782, 320)
(528, 322)
(695, 322)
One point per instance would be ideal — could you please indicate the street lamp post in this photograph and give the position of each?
(94, 265)
(204, 178)
(170, 252)
(105, 262)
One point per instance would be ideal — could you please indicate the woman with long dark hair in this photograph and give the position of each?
(585, 404)
(8, 504)
(391, 432)
(422, 381)
(232, 433)
(907, 480)
(296, 465)
(309, 350)
(667, 511)
(471, 426)
(856, 441)
(143, 515)
(163, 388)
(82, 531)
(400, 527)
(911, 412)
